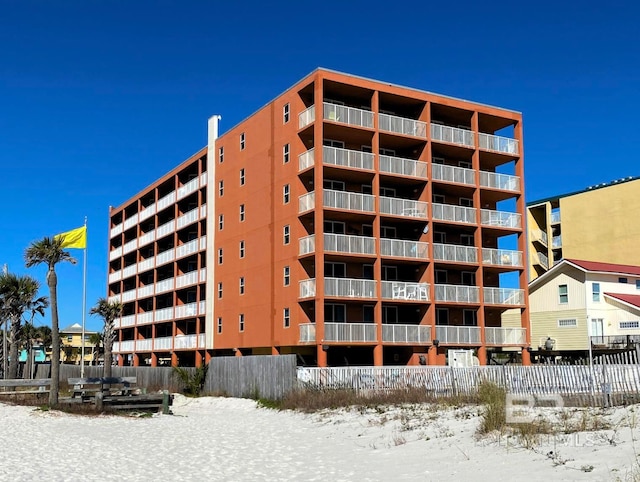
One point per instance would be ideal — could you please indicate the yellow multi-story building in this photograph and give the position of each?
(596, 224)
(71, 341)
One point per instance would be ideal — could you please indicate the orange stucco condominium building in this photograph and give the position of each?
(348, 221)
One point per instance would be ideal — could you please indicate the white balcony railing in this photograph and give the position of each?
(503, 296)
(203, 243)
(167, 228)
(115, 253)
(306, 202)
(400, 248)
(202, 340)
(165, 285)
(347, 158)
(117, 276)
(449, 212)
(415, 334)
(306, 160)
(348, 201)
(129, 271)
(129, 246)
(185, 311)
(458, 335)
(166, 201)
(453, 135)
(129, 222)
(403, 207)
(556, 241)
(116, 230)
(188, 188)
(505, 336)
(185, 342)
(457, 293)
(187, 279)
(350, 332)
(403, 291)
(126, 346)
(489, 217)
(306, 117)
(349, 288)
(307, 288)
(504, 182)
(147, 238)
(129, 320)
(307, 245)
(456, 253)
(163, 314)
(146, 291)
(203, 275)
(402, 125)
(187, 248)
(454, 174)
(165, 257)
(555, 217)
(539, 235)
(163, 343)
(113, 298)
(501, 257)
(403, 167)
(307, 333)
(342, 243)
(203, 211)
(147, 264)
(144, 318)
(128, 295)
(542, 259)
(144, 345)
(347, 115)
(147, 212)
(188, 218)
(491, 142)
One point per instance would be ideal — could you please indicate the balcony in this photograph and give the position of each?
(116, 230)
(167, 228)
(130, 246)
(144, 318)
(452, 135)
(166, 201)
(403, 207)
(347, 158)
(115, 253)
(144, 345)
(188, 310)
(308, 333)
(454, 174)
(306, 202)
(129, 271)
(556, 242)
(501, 257)
(147, 264)
(165, 285)
(455, 253)
(187, 279)
(350, 332)
(555, 217)
(132, 221)
(505, 145)
(457, 293)
(615, 342)
(307, 288)
(129, 320)
(163, 343)
(306, 117)
(504, 182)
(163, 314)
(413, 334)
(347, 115)
(349, 288)
(505, 336)
(188, 218)
(458, 335)
(348, 201)
(147, 212)
(146, 291)
(503, 296)
(307, 245)
(147, 238)
(402, 125)
(185, 342)
(129, 295)
(403, 291)
(540, 236)
(117, 276)
(541, 259)
(503, 219)
(399, 248)
(341, 243)
(403, 167)
(306, 160)
(191, 186)
(456, 214)
(165, 257)
(187, 248)
(124, 346)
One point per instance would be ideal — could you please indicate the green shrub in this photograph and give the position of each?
(193, 382)
(493, 398)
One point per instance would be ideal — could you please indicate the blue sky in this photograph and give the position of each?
(100, 98)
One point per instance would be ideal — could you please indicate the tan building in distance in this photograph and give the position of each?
(597, 224)
(348, 221)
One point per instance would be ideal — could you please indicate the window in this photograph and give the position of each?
(241, 321)
(287, 275)
(242, 138)
(464, 164)
(219, 325)
(386, 152)
(466, 239)
(439, 237)
(241, 212)
(286, 234)
(335, 313)
(437, 160)
(69, 338)
(242, 285)
(334, 227)
(335, 270)
(242, 249)
(468, 278)
(387, 192)
(442, 316)
(638, 284)
(221, 188)
(220, 256)
(333, 185)
(220, 290)
(285, 113)
(242, 177)
(469, 317)
(367, 271)
(568, 323)
(286, 317)
(368, 313)
(388, 232)
(563, 294)
(595, 291)
(389, 314)
(389, 273)
(625, 325)
(333, 143)
(438, 198)
(441, 276)
(221, 222)
(366, 189)
(285, 154)
(623, 280)
(286, 195)
(466, 202)
(221, 155)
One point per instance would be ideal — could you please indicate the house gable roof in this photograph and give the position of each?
(586, 267)
(631, 300)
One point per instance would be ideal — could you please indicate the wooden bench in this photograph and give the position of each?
(41, 385)
(88, 387)
(143, 402)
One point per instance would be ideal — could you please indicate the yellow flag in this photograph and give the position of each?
(76, 238)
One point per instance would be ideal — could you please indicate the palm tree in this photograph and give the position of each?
(95, 339)
(108, 311)
(49, 251)
(19, 299)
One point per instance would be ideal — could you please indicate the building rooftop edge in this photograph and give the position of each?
(588, 189)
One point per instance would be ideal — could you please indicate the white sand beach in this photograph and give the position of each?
(212, 438)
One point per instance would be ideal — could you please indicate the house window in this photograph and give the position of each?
(241, 249)
(221, 222)
(563, 294)
(627, 325)
(286, 317)
(285, 113)
(242, 177)
(285, 153)
(568, 323)
(241, 321)
(220, 290)
(219, 325)
(221, 188)
(242, 141)
(286, 195)
(70, 338)
(623, 280)
(442, 316)
(286, 234)
(219, 255)
(221, 155)
(595, 291)
(241, 212)
(287, 275)
(638, 284)
(469, 317)
(242, 285)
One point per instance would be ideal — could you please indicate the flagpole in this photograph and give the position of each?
(84, 302)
